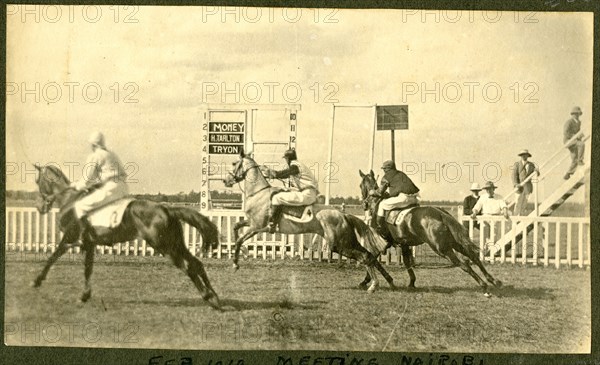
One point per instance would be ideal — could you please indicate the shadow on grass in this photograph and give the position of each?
(505, 291)
(531, 293)
(232, 304)
(242, 305)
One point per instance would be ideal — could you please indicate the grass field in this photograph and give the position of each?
(147, 303)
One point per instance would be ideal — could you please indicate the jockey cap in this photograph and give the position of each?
(97, 139)
(389, 164)
(290, 154)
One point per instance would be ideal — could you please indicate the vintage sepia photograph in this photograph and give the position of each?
(400, 181)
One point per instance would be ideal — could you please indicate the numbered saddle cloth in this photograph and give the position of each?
(396, 216)
(302, 214)
(110, 215)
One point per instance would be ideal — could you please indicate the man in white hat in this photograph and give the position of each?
(489, 204)
(521, 171)
(104, 172)
(470, 202)
(577, 147)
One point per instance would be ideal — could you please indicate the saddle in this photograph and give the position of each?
(396, 215)
(300, 214)
(110, 215)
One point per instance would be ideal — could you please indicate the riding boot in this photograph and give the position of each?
(87, 233)
(383, 230)
(275, 213)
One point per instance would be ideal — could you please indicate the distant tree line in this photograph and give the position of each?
(193, 197)
(21, 195)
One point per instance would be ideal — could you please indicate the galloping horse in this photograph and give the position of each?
(159, 225)
(343, 233)
(438, 228)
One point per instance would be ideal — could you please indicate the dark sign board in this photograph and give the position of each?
(226, 127)
(390, 117)
(226, 138)
(225, 149)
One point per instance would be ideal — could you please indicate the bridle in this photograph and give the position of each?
(242, 177)
(238, 178)
(369, 200)
(50, 198)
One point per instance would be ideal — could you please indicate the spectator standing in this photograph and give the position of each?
(521, 171)
(577, 147)
(469, 202)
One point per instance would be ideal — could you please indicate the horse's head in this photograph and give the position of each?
(368, 184)
(240, 168)
(51, 181)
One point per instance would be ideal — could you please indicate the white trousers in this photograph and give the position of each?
(105, 194)
(295, 198)
(400, 201)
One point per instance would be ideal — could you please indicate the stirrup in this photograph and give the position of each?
(272, 227)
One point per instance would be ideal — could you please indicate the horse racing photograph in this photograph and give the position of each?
(310, 185)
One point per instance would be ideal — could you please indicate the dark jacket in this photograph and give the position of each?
(397, 182)
(468, 204)
(522, 172)
(572, 127)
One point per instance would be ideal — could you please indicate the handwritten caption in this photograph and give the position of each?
(348, 359)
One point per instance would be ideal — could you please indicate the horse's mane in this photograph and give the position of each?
(57, 172)
(255, 164)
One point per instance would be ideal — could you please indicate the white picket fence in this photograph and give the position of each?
(553, 241)
(28, 231)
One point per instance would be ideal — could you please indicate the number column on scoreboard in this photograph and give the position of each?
(204, 192)
(293, 129)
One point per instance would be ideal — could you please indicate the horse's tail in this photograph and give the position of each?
(208, 230)
(365, 235)
(459, 232)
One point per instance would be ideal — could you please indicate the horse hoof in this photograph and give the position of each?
(498, 284)
(236, 267)
(213, 301)
(362, 286)
(372, 289)
(487, 295)
(411, 287)
(85, 297)
(36, 283)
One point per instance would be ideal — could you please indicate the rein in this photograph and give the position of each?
(52, 197)
(243, 177)
(258, 191)
(248, 169)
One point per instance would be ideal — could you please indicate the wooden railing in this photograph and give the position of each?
(544, 171)
(553, 241)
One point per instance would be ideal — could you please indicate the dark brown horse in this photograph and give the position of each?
(159, 225)
(345, 234)
(438, 228)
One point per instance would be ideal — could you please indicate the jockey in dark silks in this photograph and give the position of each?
(402, 193)
(302, 182)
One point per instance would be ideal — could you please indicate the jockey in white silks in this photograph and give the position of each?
(104, 172)
(302, 181)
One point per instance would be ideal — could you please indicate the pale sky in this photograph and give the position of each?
(541, 63)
